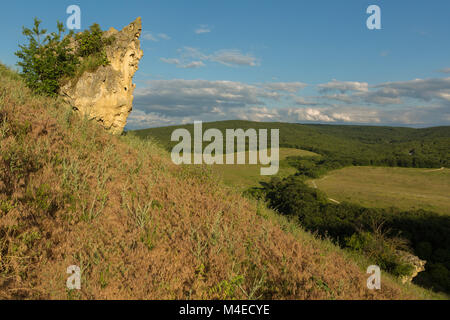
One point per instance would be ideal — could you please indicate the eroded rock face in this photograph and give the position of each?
(106, 95)
(417, 264)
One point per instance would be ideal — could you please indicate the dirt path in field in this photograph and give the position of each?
(435, 170)
(315, 187)
(335, 201)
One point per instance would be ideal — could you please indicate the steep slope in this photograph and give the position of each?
(140, 227)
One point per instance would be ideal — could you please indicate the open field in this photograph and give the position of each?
(246, 176)
(406, 188)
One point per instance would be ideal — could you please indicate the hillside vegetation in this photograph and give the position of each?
(140, 227)
(345, 145)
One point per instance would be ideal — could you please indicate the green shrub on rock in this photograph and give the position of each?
(51, 58)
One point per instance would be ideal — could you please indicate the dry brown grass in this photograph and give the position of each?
(138, 226)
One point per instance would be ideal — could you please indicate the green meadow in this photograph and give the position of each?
(405, 188)
(246, 176)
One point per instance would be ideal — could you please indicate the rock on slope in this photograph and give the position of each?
(106, 95)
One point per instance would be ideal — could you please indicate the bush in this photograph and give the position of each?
(91, 42)
(381, 250)
(47, 62)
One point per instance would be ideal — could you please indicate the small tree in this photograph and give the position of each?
(46, 59)
(91, 43)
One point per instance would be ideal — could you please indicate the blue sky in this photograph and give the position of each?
(300, 61)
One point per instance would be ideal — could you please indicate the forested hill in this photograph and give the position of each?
(357, 145)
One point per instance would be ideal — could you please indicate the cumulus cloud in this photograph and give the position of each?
(149, 36)
(388, 93)
(170, 61)
(227, 57)
(177, 62)
(339, 97)
(291, 87)
(301, 101)
(141, 119)
(310, 114)
(417, 102)
(382, 96)
(192, 65)
(416, 116)
(194, 97)
(183, 98)
(343, 86)
(423, 89)
(233, 57)
(163, 36)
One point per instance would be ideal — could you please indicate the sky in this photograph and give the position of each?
(290, 61)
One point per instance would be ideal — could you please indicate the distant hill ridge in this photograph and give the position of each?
(360, 145)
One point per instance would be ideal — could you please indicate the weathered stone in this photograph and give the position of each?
(415, 262)
(106, 95)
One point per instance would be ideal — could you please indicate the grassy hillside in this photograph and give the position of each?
(405, 188)
(359, 145)
(139, 226)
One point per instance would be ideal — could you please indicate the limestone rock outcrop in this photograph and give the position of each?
(106, 95)
(417, 264)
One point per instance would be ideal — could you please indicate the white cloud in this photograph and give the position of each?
(147, 35)
(233, 57)
(194, 97)
(170, 61)
(301, 101)
(343, 86)
(192, 65)
(339, 97)
(310, 114)
(163, 36)
(291, 87)
(141, 119)
(389, 93)
(203, 29)
(398, 103)
(423, 89)
(177, 62)
(228, 57)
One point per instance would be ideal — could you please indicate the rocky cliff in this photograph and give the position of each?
(417, 264)
(106, 95)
